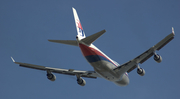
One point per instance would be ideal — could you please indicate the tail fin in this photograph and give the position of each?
(88, 40)
(81, 35)
(80, 31)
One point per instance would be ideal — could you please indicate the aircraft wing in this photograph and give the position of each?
(88, 74)
(132, 64)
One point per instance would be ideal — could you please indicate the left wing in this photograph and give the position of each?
(132, 64)
(88, 74)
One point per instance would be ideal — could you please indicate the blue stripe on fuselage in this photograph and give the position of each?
(95, 58)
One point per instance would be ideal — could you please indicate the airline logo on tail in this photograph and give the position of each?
(79, 28)
(80, 31)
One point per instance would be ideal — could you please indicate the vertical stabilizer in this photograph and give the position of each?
(80, 31)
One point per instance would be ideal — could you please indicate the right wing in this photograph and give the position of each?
(87, 74)
(132, 64)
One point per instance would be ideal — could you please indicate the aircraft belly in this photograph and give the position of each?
(105, 70)
(123, 82)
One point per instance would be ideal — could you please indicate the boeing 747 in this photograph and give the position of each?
(104, 67)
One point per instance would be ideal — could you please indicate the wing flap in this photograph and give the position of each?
(144, 56)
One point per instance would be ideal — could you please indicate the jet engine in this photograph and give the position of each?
(157, 58)
(141, 71)
(51, 76)
(81, 81)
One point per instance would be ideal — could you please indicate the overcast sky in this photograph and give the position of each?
(132, 27)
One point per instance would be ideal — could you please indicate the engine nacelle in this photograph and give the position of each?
(81, 81)
(141, 71)
(51, 77)
(157, 58)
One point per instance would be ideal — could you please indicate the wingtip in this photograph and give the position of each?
(51, 40)
(73, 8)
(173, 30)
(13, 59)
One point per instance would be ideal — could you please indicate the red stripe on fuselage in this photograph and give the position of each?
(87, 51)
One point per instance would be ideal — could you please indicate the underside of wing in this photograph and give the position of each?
(88, 74)
(131, 65)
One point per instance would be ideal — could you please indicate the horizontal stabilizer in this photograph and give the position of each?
(69, 42)
(90, 39)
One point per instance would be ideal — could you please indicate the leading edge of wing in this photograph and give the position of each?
(88, 74)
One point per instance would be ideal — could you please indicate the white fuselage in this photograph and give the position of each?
(103, 65)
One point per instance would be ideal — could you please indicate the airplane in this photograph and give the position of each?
(104, 67)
